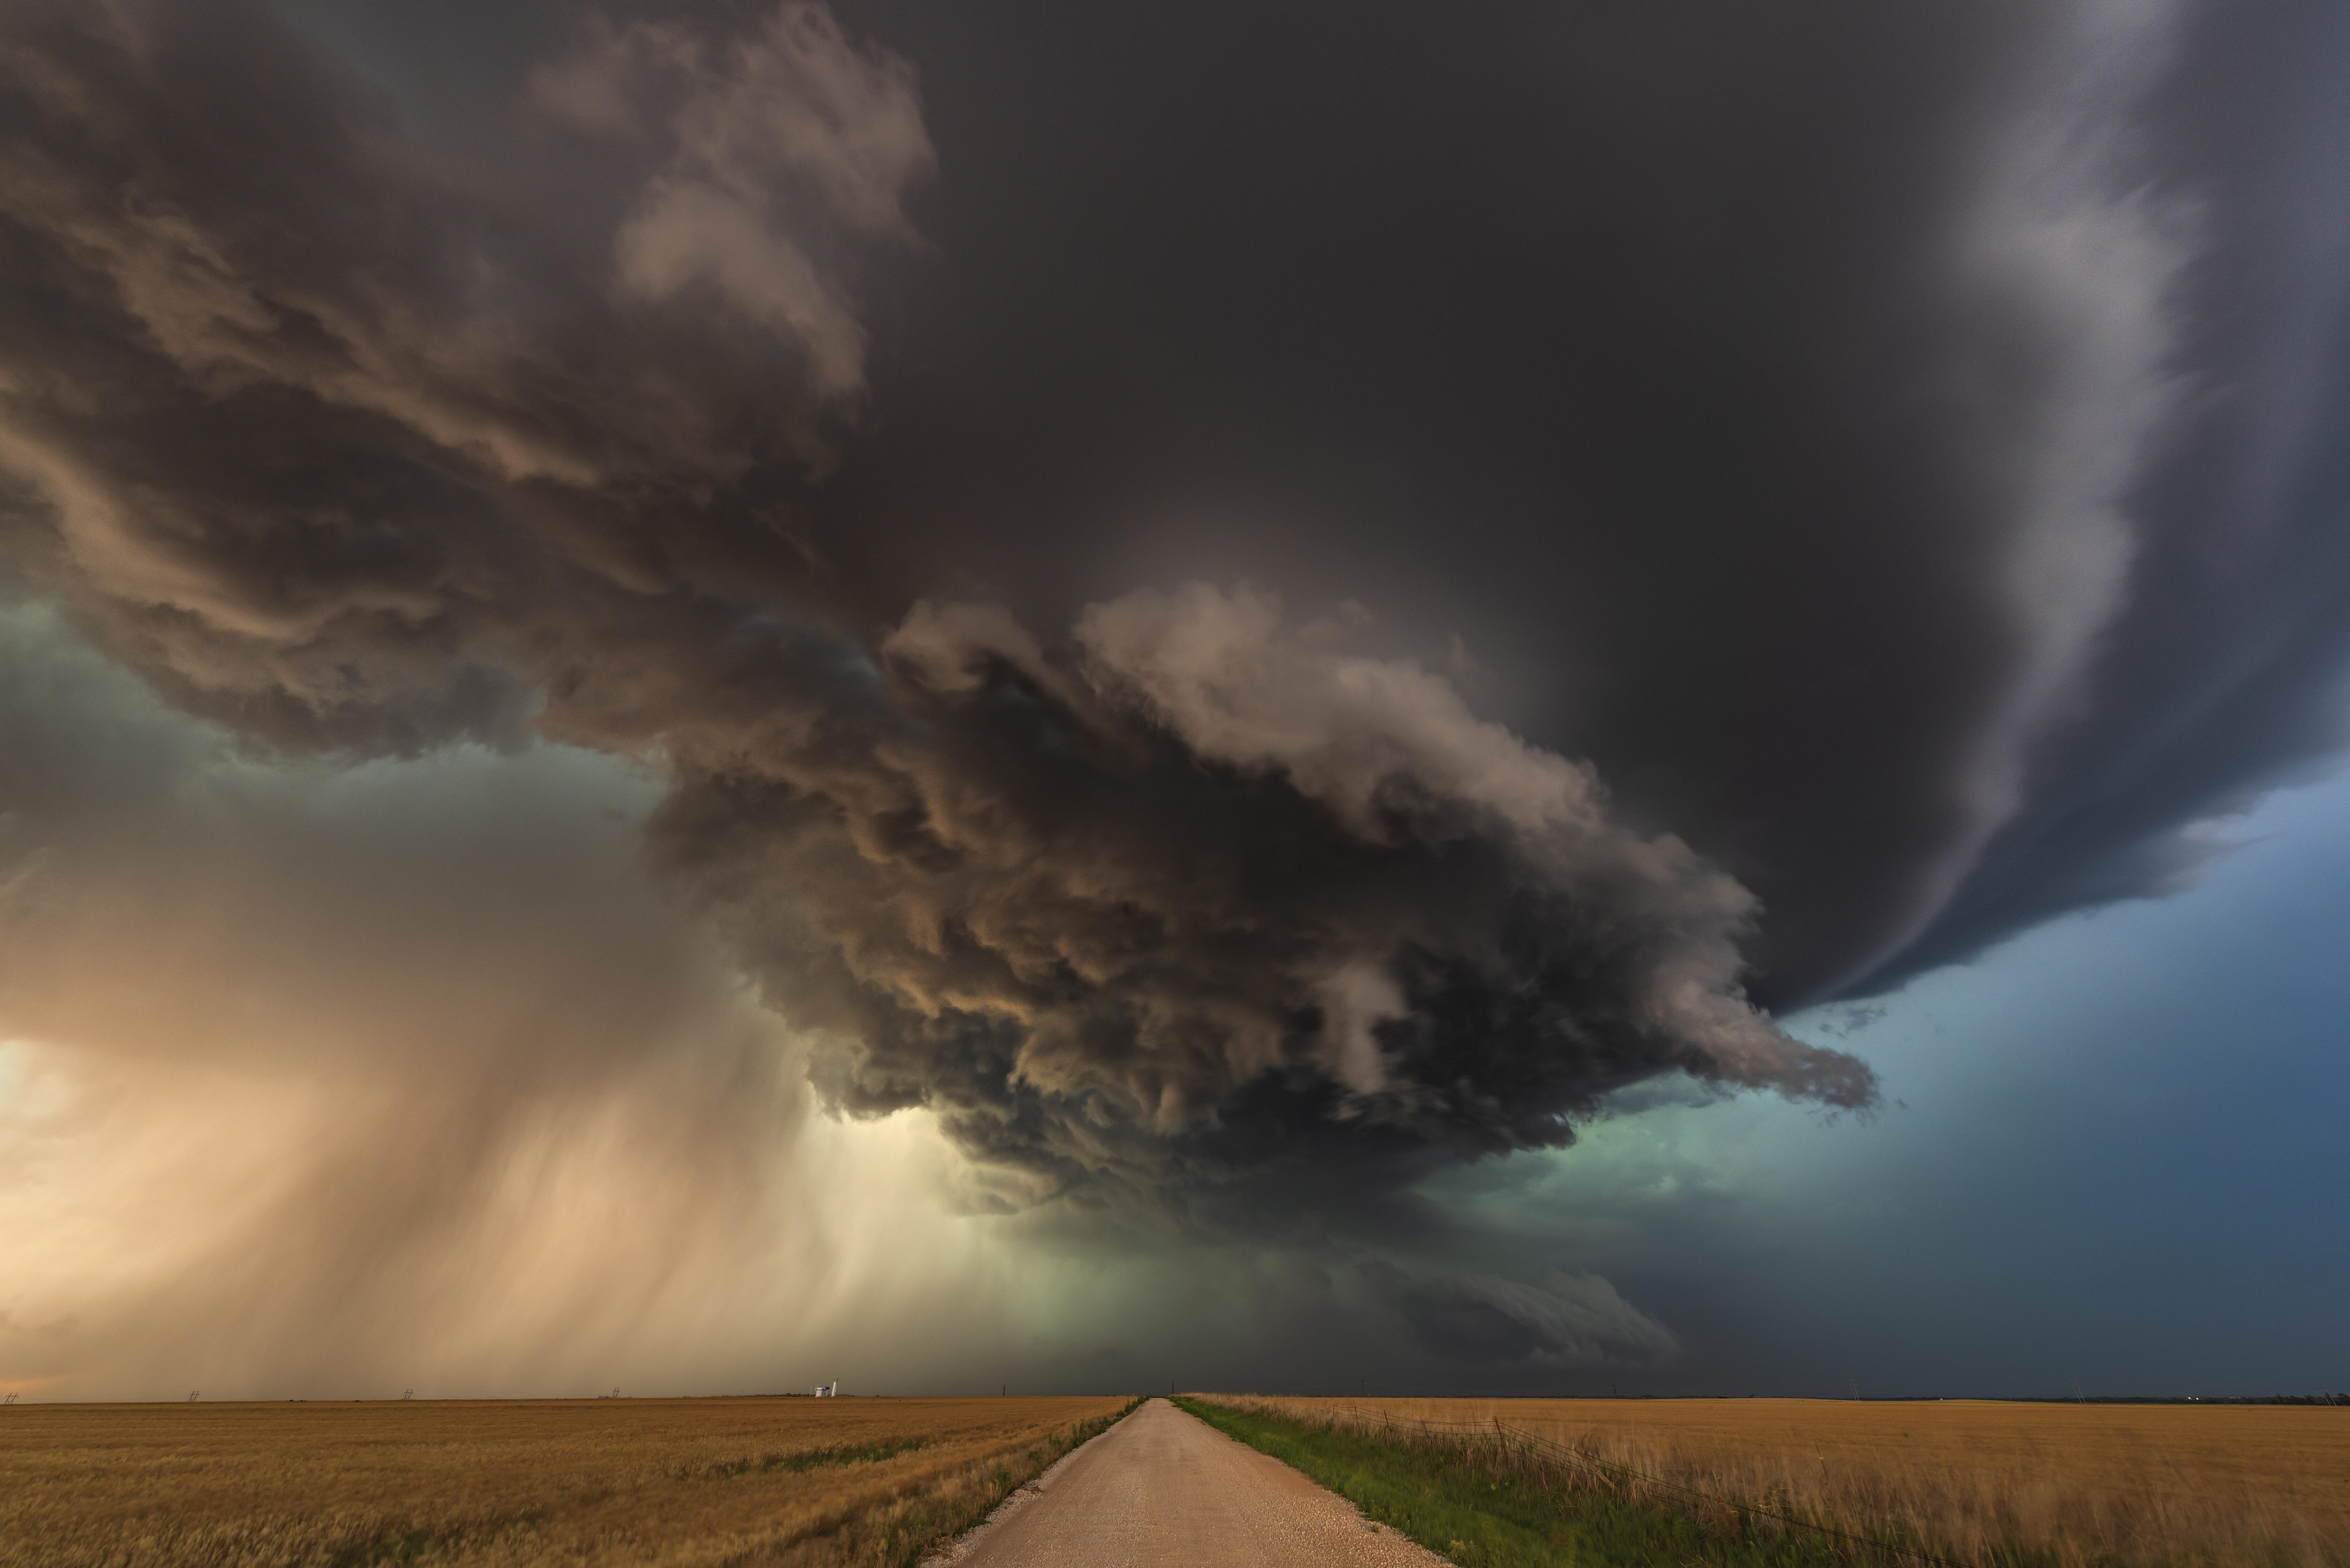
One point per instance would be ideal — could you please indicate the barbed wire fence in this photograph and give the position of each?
(1620, 1478)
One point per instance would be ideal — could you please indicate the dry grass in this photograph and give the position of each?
(507, 1483)
(2079, 1483)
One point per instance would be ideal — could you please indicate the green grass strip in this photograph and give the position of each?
(1479, 1507)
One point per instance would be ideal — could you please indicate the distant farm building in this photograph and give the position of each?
(828, 1390)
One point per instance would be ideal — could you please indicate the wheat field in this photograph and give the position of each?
(505, 1484)
(2137, 1484)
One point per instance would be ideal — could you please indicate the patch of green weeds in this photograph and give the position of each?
(415, 1545)
(406, 1549)
(816, 1458)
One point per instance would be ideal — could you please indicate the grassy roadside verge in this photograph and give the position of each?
(915, 1529)
(1479, 1507)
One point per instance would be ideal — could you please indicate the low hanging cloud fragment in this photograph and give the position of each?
(1564, 1320)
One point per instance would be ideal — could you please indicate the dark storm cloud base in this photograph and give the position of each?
(1812, 426)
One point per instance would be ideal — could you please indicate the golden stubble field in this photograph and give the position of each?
(508, 1483)
(2132, 1483)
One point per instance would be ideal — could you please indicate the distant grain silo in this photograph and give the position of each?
(828, 1390)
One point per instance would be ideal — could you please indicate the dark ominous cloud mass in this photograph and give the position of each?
(1239, 602)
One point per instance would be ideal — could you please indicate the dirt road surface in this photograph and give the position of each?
(1164, 1488)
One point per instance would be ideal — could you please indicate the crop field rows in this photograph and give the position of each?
(504, 1484)
(1979, 1480)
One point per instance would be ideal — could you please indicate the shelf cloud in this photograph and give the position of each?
(351, 449)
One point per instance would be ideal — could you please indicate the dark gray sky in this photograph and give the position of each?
(1190, 620)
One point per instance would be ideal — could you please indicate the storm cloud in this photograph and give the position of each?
(1235, 589)
(312, 448)
(1079, 906)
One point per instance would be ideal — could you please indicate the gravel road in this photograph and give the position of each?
(1164, 1488)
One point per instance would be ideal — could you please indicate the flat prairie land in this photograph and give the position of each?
(2079, 1483)
(503, 1484)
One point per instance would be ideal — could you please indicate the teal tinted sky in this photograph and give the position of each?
(2111, 1159)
